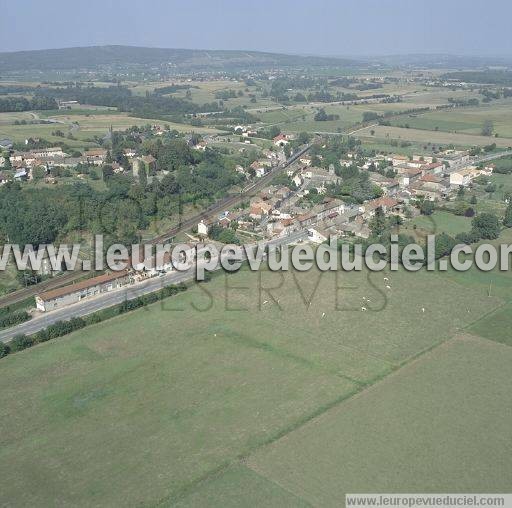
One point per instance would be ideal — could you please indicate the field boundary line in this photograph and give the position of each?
(487, 314)
(189, 488)
(485, 340)
(346, 346)
(271, 480)
(354, 395)
(282, 353)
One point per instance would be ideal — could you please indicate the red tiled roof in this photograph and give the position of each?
(85, 284)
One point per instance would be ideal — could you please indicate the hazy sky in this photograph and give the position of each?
(328, 27)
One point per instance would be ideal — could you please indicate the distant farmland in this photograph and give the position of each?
(430, 136)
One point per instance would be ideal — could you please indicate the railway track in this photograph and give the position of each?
(207, 215)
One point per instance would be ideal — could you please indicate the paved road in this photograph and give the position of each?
(478, 160)
(224, 204)
(212, 212)
(105, 300)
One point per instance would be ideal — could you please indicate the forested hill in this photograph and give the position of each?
(92, 57)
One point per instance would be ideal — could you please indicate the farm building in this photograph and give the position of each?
(67, 295)
(281, 140)
(464, 176)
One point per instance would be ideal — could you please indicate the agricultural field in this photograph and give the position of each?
(495, 283)
(82, 124)
(300, 118)
(401, 435)
(390, 146)
(164, 400)
(434, 137)
(464, 120)
(496, 326)
(204, 92)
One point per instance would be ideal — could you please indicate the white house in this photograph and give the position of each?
(202, 228)
(317, 236)
(464, 176)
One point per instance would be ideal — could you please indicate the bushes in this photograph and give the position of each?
(13, 318)
(444, 245)
(487, 226)
(20, 342)
(61, 328)
(468, 238)
(427, 207)
(507, 221)
(4, 349)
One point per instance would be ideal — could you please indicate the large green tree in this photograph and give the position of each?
(507, 221)
(487, 225)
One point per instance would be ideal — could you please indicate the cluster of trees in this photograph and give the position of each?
(164, 90)
(459, 102)
(152, 105)
(223, 235)
(496, 77)
(14, 104)
(488, 128)
(322, 116)
(32, 215)
(281, 86)
(370, 116)
(325, 96)
(507, 220)
(224, 95)
(484, 227)
(8, 318)
(355, 186)
(503, 166)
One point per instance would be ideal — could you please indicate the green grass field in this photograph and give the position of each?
(497, 283)
(429, 136)
(496, 326)
(439, 222)
(161, 401)
(464, 120)
(441, 424)
(88, 123)
(8, 280)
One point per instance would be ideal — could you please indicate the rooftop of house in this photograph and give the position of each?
(148, 159)
(431, 178)
(79, 286)
(50, 149)
(95, 152)
(470, 170)
(432, 165)
(384, 201)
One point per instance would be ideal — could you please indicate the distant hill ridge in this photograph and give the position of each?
(94, 56)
